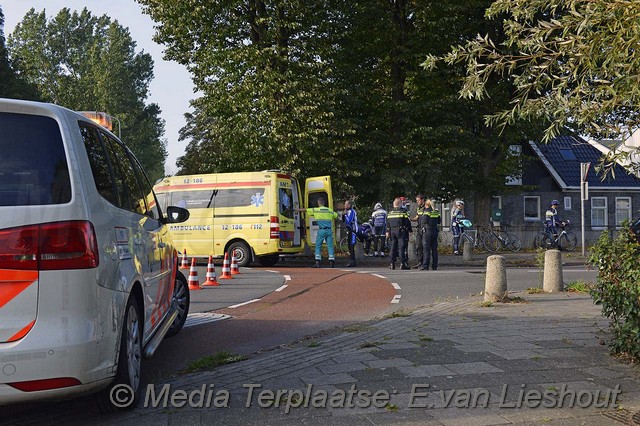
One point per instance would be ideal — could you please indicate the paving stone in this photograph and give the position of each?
(425, 371)
(517, 354)
(386, 363)
(329, 379)
(473, 368)
(344, 367)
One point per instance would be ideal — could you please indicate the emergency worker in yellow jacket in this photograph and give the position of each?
(324, 217)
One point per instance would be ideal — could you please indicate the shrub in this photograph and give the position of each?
(617, 289)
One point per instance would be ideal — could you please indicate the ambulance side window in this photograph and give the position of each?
(285, 202)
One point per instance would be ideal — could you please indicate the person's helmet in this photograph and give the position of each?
(555, 203)
(377, 206)
(460, 202)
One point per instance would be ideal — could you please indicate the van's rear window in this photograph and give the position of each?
(33, 166)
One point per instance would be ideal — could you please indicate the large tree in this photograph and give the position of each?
(84, 62)
(421, 137)
(266, 88)
(576, 63)
(11, 85)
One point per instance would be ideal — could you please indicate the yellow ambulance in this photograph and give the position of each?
(252, 213)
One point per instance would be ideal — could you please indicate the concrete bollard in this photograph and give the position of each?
(467, 251)
(359, 250)
(495, 286)
(413, 257)
(552, 281)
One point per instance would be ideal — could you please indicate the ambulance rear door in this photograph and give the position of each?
(289, 219)
(314, 188)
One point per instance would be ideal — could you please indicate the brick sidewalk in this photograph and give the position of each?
(441, 359)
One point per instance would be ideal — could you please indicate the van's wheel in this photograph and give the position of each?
(182, 298)
(125, 391)
(269, 260)
(243, 253)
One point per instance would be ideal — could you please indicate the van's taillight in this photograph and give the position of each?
(49, 246)
(275, 227)
(45, 384)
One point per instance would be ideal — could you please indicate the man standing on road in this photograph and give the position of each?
(351, 223)
(398, 228)
(421, 219)
(430, 237)
(324, 217)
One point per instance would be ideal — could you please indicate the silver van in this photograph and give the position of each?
(89, 284)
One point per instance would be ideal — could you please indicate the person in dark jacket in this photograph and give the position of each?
(350, 219)
(430, 237)
(398, 229)
(420, 219)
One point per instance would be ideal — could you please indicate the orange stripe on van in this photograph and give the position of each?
(20, 334)
(13, 282)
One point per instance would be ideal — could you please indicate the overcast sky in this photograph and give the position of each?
(171, 87)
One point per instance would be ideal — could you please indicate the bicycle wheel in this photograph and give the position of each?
(541, 240)
(513, 243)
(567, 241)
(343, 245)
(491, 243)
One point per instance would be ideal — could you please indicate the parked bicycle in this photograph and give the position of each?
(498, 239)
(471, 236)
(565, 240)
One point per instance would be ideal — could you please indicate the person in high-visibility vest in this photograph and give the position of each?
(324, 217)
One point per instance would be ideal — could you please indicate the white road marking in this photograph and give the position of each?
(379, 276)
(396, 286)
(198, 318)
(242, 304)
(287, 277)
(396, 299)
(269, 270)
(281, 288)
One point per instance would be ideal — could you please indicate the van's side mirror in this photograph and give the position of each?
(177, 214)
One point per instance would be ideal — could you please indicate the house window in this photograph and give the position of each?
(515, 151)
(599, 212)
(531, 209)
(567, 203)
(623, 210)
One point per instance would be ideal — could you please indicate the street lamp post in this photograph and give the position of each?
(584, 196)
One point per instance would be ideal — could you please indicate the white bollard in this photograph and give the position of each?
(553, 282)
(495, 286)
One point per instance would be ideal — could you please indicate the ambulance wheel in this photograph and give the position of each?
(269, 260)
(243, 253)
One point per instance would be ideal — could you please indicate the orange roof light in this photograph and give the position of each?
(101, 118)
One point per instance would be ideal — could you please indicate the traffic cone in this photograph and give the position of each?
(194, 283)
(226, 269)
(211, 280)
(235, 269)
(185, 262)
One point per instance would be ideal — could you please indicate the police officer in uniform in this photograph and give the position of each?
(430, 237)
(398, 228)
(324, 217)
(421, 219)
